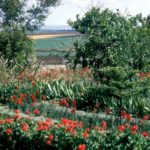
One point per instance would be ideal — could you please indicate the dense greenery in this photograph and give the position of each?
(118, 89)
(17, 19)
(112, 40)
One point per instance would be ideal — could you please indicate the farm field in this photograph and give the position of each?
(55, 47)
(58, 43)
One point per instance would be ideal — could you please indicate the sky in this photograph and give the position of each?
(68, 9)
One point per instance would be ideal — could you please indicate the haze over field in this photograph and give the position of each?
(69, 8)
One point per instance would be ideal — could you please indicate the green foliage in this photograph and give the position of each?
(112, 40)
(5, 75)
(115, 84)
(25, 133)
(17, 19)
(125, 141)
(15, 46)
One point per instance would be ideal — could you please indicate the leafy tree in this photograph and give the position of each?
(17, 18)
(112, 39)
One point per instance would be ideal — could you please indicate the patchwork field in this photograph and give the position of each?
(58, 43)
(54, 47)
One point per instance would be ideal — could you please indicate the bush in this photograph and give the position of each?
(15, 46)
(24, 133)
(117, 85)
(112, 40)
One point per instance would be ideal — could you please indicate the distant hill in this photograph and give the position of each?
(53, 30)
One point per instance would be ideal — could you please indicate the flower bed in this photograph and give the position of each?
(19, 132)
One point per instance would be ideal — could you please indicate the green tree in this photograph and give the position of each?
(112, 39)
(17, 19)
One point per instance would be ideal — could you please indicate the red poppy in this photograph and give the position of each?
(43, 97)
(36, 112)
(64, 102)
(1, 122)
(123, 114)
(8, 120)
(19, 101)
(27, 112)
(8, 131)
(17, 111)
(50, 137)
(127, 125)
(16, 117)
(121, 128)
(24, 126)
(134, 129)
(74, 103)
(104, 125)
(81, 147)
(85, 135)
(146, 118)
(48, 142)
(33, 97)
(145, 134)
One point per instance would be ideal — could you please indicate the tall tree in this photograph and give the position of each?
(112, 39)
(17, 18)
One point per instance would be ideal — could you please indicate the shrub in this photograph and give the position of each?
(117, 88)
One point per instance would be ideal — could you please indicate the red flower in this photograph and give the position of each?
(19, 101)
(104, 125)
(85, 135)
(27, 112)
(64, 102)
(36, 112)
(43, 125)
(129, 117)
(24, 126)
(33, 97)
(145, 134)
(17, 111)
(48, 142)
(127, 125)
(121, 128)
(43, 97)
(123, 114)
(50, 137)
(74, 103)
(87, 129)
(8, 120)
(13, 97)
(146, 118)
(134, 128)
(1, 122)
(16, 117)
(81, 147)
(8, 131)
